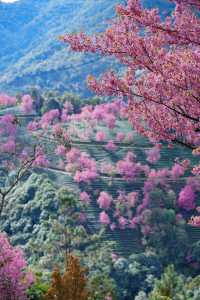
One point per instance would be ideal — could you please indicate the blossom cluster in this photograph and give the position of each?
(98, 127)
(14, 279)
(19, 150)
(163, 101)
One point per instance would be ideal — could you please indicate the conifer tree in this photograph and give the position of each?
(169, 287)
(72, 285)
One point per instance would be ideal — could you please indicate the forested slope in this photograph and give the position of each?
(31, 53)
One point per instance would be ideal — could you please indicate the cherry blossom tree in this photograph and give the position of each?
(161, 59)
(169, 193)
(69, 138)
(14, 278)
(18, 152)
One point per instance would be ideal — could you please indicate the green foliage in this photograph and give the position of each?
(67, 232)
(173, 286)
(67, 198)
(137, 273)
(102, 286)
(28, 211)
(38, 289)
(141, 296)
(169, 287)
(92, 249)
(192, 288)
(195, 253)
(97, 257)
(168, 236)
(77, 101)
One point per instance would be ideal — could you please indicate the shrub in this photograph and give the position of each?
(173, 286)
(138, 272)
(164, 228)
(39, 288)
(14, 280)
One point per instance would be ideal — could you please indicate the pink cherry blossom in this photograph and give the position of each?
(107, 168)
(60, 150)
(26, 104)
(163, 102)
(110, 146)
(57, 130)
(186, 198)
(33, 126)
(85, 197)
(104, 218)
(14, 279)
(177, 171)
(40, 158)
(6, 100)
(49, 117)
(120, 137)
(194, 221)
(104, 200)
(9, 146)
(100, 136)
(153, 155)
(73, 155)
(122, 222)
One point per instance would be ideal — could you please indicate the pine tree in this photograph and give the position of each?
(169, 287)
(71, 285)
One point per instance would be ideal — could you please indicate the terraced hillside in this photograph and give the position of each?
(32, 217)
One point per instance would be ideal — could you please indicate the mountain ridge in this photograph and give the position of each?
(31, 53)
(38, 57)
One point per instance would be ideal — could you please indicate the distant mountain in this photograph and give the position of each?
(31, 53)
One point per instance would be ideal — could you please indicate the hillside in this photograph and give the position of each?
(31, 53)
(33, 204)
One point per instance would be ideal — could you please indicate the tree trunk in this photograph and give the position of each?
(2, 202)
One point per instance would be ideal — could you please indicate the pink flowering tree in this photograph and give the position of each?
(14, 279)
(137, 193)
(71, 136)
(161, 59)
(18, 152)
(150, 208)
